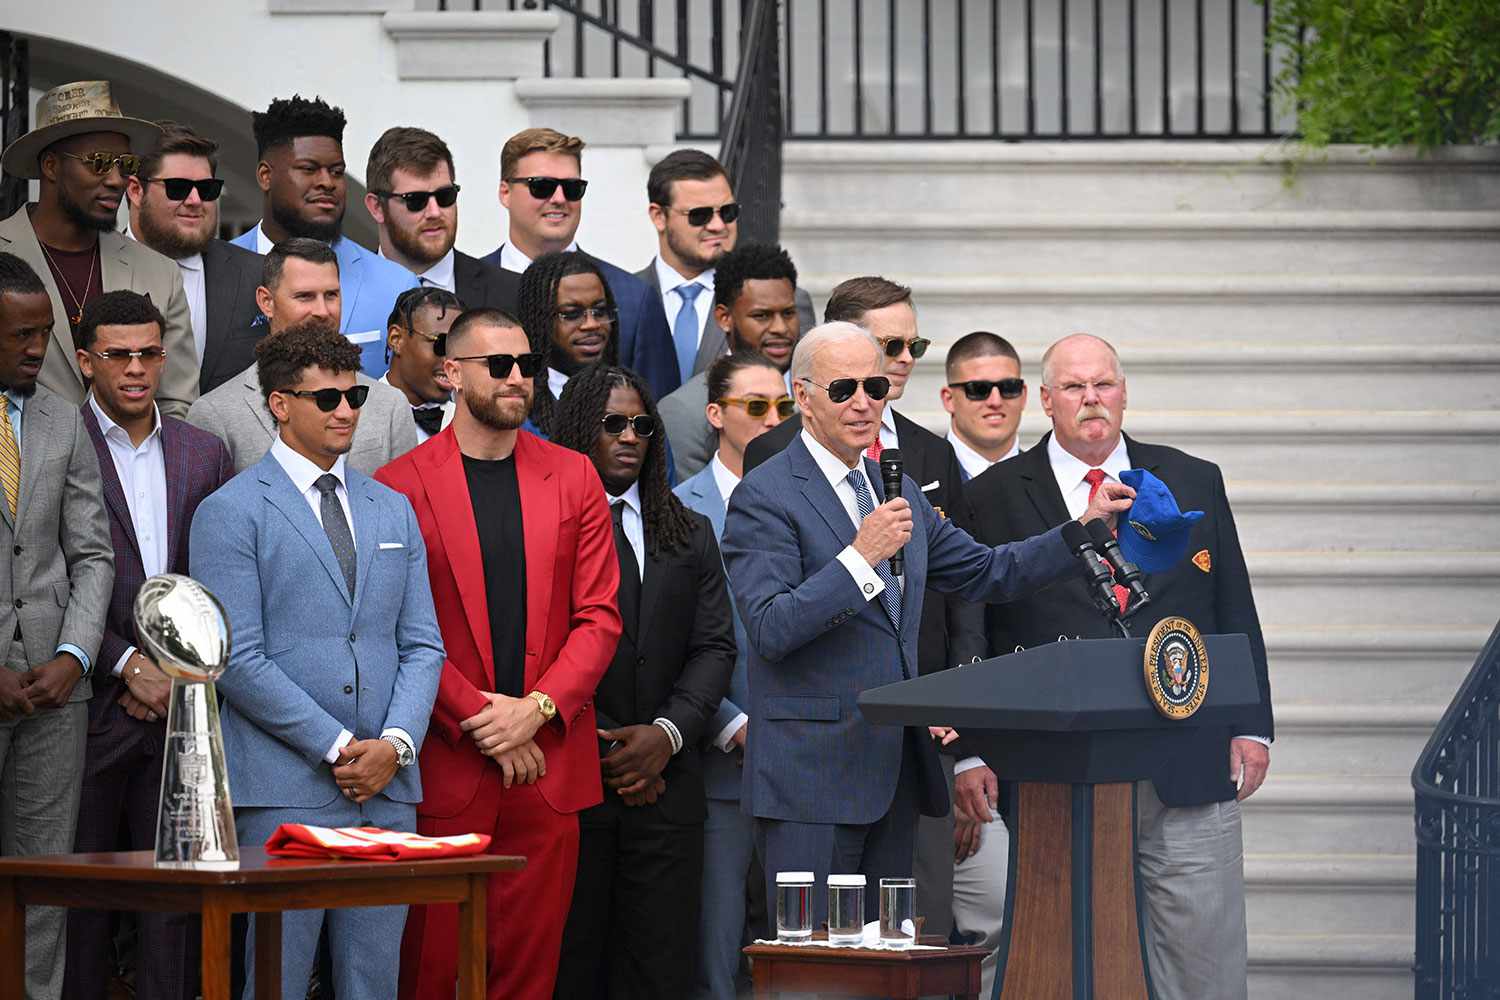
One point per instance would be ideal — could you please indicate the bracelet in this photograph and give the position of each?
(673, 735)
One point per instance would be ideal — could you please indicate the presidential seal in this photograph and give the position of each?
(1176, 668)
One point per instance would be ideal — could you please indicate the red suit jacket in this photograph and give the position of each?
(572, 620)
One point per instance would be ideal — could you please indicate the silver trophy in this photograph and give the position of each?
(183, 628)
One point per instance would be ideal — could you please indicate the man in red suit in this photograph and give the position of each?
(520, 551)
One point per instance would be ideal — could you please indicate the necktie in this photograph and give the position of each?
(1094, 477)
(873, 452)
(429, 418)
(630, 570)
(336, 527)
(10, 458)
(685, 329)
(890, 597)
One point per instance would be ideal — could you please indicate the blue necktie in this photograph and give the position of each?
(890, 597)
(685, 329)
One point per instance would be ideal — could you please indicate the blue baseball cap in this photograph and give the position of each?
(1155, 533)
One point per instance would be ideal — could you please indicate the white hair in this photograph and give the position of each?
(826, 335)
(1047, 371)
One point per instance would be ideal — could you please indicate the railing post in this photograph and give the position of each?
(752, 134)
(15, 66)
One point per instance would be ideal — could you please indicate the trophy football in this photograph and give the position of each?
(183, 628)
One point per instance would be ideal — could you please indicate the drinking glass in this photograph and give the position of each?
(794, 906)
(846, 909)
(898, 912)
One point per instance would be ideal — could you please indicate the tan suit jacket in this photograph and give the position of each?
(127, 265)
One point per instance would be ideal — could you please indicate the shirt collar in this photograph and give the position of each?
(514, 260)
(888, 416)
(441, 273)
(669, 278)
(1070, 471)
(632, 497)
(725, 480)
(301, 470)
(108, 426)
(556, 381)
(263, 244)
(832, 467)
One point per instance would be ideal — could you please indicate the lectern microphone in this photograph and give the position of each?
(890, 478)
(1101, 584)
(1127, 573)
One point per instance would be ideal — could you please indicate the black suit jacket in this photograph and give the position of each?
(674, 662)
(481, 286)
(230, 277)
(1019, 498)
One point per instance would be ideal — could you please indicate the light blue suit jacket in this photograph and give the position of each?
(722, 774)
(305, 661)
(368, 285)
(815, 642)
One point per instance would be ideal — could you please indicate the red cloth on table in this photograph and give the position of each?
(298, 840)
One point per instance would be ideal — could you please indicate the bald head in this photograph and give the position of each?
(1079, 345)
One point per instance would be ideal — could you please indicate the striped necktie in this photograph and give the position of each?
(10, 458)
(890, 597)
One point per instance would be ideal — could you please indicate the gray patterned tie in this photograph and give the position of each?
(890, 597)
(336, 526)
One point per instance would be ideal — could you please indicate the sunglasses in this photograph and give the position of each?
(758, 407)
(602, 314)
(328, 399)
(416, 201)
(841, 390)
(895, 345)
(542, 188)
(699, 217)
(178, 188)
(148, 355)
(103, 163)
(644, 424)
(979, 389)
(501, 364)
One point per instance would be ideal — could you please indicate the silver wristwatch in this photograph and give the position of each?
(405, 756)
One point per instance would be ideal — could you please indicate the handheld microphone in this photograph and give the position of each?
(1101, 585)
(890, 478)
(1127, 573)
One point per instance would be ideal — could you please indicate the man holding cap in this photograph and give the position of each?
(1194, 887)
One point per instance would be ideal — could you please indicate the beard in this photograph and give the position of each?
(487, 410)
(170, 241)
(79, 215)
(288, 219)
(689, 254)
(410, 246)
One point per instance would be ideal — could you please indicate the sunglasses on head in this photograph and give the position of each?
(700, 217)
(102, 163)
(895, 345)
(542, 188)
(501, 364)
(757, 406)
(978, 389)
(178, 188)
(328, 399)
(841, 390)
(644, 424)
(416, 201)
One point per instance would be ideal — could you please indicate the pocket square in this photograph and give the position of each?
(391, 545)
(932, 486)
(364, 336)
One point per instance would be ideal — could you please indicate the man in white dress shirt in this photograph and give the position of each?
(415, 337)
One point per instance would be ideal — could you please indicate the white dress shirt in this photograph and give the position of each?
(195, 287)
(973, 462)
(440, 275)
(448, 408)
(888, 438)
(836, 472)
(514, 260)
(263, 244)
(633, 526)
(556, 381)
(670, 280)
(725, 480)
(142, 471)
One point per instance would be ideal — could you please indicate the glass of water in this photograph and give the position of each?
(898, 912)
(794, 906)
(846, 909)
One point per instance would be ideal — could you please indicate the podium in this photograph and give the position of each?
(1070, 725)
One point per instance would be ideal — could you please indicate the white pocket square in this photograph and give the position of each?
(932, 486)
(391, 545)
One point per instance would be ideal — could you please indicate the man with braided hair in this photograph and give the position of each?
(568, 312)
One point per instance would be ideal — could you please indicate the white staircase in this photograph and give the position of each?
(1328, 332)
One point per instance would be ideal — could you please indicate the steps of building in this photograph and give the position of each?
(1315, 966)
(1312, 814)
(1369, 663)
(1305, 894)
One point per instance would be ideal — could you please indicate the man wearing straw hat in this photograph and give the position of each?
(81, 151)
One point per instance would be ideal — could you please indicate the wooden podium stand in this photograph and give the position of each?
(1070, 726)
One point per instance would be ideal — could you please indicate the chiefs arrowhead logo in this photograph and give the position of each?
(1203, 561)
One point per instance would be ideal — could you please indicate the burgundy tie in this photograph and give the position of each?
(1094, 477)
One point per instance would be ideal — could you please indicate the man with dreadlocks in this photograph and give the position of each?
(301, 176)
(633, 927)
(523, 574)
(568, 312)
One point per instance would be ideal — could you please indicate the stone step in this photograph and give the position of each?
(1147, 177)
(1330, 893)
(1358, 738)
(1370, 663)
(1404, 589)
(1321, 965)
(1360, 516)
(1185, 243)
(1313, 814)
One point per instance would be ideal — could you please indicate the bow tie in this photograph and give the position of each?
(429, 418)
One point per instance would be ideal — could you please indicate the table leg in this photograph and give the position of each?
(215, 950)
(268, 956)
(472, 946)
(12, 942)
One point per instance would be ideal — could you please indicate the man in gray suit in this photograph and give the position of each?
(81, 152)
(55, 595)
(300, 286)
(694, 212)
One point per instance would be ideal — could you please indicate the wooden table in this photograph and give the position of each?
(866, 972)
(261, 885)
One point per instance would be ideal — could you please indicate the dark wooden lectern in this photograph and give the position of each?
(1070, 725)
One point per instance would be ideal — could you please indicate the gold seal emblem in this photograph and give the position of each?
(1176, 668)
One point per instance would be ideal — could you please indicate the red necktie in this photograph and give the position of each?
(873, 452)
(1094, 477)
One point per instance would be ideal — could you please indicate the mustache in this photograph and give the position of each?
(1089, 413)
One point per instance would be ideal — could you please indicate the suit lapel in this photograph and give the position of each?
(366, 515)
(257, 404)
(815, 487)
(351, 276)
(448, 492)
(711, 505)
(178, 461)
(283, 495)
(114, 492)
(24, 244)
(656, 569)
(540, 514)
(36, 431)
(1041, 485)
(221, 291)
(711, 345)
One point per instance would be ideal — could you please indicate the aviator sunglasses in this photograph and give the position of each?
(328, 399)
(757, 407)
(102, 163)
(978, 389)
(700, 216)
(178, 188)
(542, 188)
(841, 390)
(416, 201)
(501, 364)
(644, 424)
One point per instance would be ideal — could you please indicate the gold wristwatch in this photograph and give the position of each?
(546, 704)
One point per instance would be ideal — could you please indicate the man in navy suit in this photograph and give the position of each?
(825, 618)
(541, 189)
(337, 654)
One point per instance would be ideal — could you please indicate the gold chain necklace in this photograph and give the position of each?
(93, 263)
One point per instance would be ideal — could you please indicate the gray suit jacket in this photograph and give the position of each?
(125, 264)
(62, 565)
(236, 413)
(691, 436)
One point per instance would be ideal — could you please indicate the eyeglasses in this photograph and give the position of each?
(328, 399)
(103, 163)
(122, 355)
(501, 364)
(699, 217)
(893, 346)
(542, 188)
(978, 389)
(178, 188)
(601, 314)
(416, 201)
(758, 406)
(644, 424)
(841, 390)
(1103, 388)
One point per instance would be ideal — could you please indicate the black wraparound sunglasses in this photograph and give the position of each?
(644, 424)
(328, 399)
(178, 188)
(542, 188)
(841, 390)
(416, 201)
(501, 364)
(979, 389)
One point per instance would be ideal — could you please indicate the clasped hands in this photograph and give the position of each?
(46, 686)
(503, 731)
(633, 769)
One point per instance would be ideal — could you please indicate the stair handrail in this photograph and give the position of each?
(753, 128)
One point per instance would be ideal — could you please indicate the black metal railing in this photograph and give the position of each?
(1457, 784)
(15, 112)
(752, 132)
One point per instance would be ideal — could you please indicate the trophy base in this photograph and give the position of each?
(195, 820)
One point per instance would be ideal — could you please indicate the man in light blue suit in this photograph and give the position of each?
(743, 389)
(336, 651)
(808, 552)
(301, 177)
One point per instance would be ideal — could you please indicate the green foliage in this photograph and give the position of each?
(1390, 72)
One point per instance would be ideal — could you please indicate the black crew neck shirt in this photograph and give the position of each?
(496, 498)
